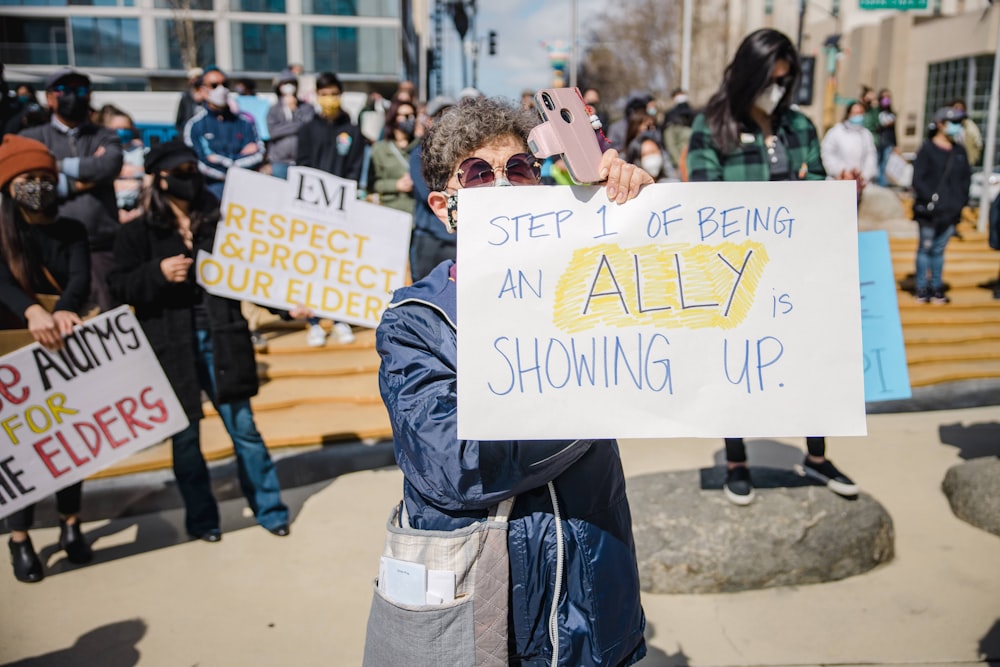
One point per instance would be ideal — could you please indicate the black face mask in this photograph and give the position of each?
(407, 126)
(35, 195)
(73, 108)
(184, 186)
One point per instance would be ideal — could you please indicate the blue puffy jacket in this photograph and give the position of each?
(449, 483)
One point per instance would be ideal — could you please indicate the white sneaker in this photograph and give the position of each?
(316, 336)
(343, 333)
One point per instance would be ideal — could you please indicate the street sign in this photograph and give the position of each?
(893, 4)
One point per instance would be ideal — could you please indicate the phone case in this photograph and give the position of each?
(566, 129)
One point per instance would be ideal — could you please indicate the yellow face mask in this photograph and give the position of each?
(329, 105)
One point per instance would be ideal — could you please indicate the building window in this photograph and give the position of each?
(332, 49)
(379, 8)
(33, 41)
(197, 38)
(183, 5)
(100, 42)
(259, 47)
(967, 79)
(273, 6)
(63, 3)
(371, 51)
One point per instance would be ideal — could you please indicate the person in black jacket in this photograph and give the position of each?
(330, 141)
(941, 178)
(89, 158)
(201, 340)
(40, 254)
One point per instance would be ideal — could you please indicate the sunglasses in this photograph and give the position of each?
(79, 91)
(521, 169)
(216, 84)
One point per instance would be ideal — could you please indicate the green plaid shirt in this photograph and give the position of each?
(748, 161)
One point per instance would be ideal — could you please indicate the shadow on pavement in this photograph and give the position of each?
(973, 440)
(989, 645)
(154, 519)
(144, 512)
(112, 645)
(657, 658)
(146, 493)
(767, 453)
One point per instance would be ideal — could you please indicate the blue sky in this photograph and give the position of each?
(522, 27)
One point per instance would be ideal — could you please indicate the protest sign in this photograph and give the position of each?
(696, 309)
(306, 241)
(66, 414)
(886, 373)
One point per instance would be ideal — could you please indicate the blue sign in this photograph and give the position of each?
(886, 374)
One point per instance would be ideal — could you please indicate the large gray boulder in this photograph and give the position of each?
(690, 539)
(881, 208)
(973, 490)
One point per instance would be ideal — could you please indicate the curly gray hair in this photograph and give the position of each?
(463, 129)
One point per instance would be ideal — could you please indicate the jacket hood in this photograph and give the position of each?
(436, 289)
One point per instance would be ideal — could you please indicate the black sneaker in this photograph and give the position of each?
(830, 476)
(738, 486)
(939, 297)
(922, 295)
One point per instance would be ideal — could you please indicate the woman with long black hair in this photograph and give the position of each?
(750, 132)
(40, 254)
(201, 340)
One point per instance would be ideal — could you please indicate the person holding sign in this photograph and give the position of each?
(330, 141)
(750, 132)
(201, 340)
(570, 494)
(40, 254)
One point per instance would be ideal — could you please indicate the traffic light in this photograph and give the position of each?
(493, 42)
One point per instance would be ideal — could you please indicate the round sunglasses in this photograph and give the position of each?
(521, 169)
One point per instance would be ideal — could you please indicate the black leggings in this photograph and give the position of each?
(736, 450)
(68, 502)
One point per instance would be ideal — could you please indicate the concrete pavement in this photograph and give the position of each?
(154, 599)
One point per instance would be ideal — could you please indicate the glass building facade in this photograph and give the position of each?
(156, 41)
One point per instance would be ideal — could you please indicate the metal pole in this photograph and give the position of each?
(991, 136)
(686, 44)
(574, 53)
(802, 18)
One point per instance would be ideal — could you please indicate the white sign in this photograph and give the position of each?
(306, 241)
(696, 309)
(68, 414)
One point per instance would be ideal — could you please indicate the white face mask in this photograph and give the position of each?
(219, 97)
(652, 164)
(287, 89)
(769, 98)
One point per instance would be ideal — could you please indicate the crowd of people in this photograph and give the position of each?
(90, 218)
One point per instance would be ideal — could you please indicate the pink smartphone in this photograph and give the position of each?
(566, 129)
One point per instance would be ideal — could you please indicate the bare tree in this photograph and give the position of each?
(636, 47)
(188, 32)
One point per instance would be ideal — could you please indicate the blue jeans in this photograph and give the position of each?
(930, 254)
(257, 474)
